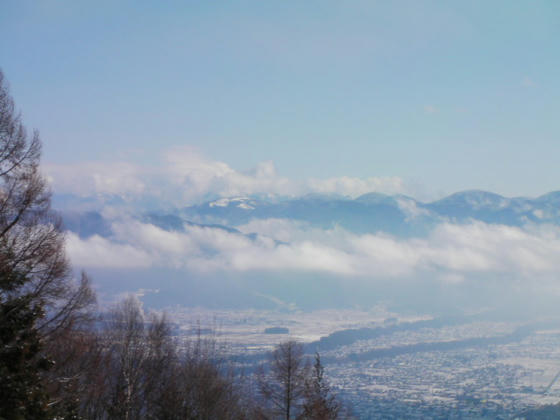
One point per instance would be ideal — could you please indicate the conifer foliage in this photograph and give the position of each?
(320, 402)
(21, 394)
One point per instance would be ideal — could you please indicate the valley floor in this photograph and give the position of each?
(403, 367)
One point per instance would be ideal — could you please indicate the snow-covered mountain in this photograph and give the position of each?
(262, 250)
(370, 213)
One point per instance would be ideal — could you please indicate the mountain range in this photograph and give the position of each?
(398, 215)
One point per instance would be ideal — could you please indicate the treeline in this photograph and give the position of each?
(58, 361)
(134, 368)
(131, 366)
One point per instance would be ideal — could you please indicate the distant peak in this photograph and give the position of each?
(475, 198)
(553, 196)
(376, 198)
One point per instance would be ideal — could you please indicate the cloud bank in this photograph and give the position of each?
(186, 177)
(450, 253)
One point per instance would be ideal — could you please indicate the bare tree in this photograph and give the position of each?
(127, 347)
(35, 276)
(145, 374)
(31, 241)
(283, 387)
(78, 384)
(205, 386)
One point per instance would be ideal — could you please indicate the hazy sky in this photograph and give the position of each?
(443, 95)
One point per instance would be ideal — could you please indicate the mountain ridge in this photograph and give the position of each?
(369, 213)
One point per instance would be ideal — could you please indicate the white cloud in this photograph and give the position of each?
(354, 187)
(284, 230)
(199, 177)
(99, 252)
(451, 252)
(186, 177)
(410, 208)
(89, 178)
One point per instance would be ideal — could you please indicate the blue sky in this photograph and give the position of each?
(445, 95)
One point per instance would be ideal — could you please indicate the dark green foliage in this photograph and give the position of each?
(22, 395)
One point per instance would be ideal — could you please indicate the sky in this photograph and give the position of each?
(419, 97)
(180, 102)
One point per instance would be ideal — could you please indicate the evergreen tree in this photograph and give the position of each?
(320, 402)
(22, 395)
